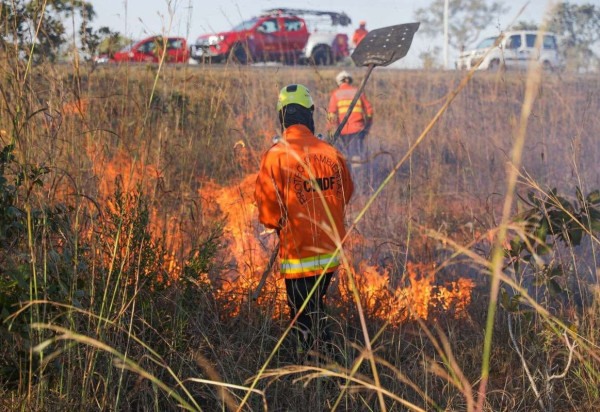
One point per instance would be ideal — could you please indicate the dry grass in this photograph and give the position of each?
(101, 322)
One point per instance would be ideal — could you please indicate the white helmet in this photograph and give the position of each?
(341, 76)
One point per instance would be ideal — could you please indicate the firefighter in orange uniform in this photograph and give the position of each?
(354, 132)
(359, 33)
(302, 190)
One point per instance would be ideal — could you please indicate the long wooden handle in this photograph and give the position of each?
(266, 272)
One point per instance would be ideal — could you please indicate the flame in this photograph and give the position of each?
(247, 247)
(420, 299)
(237, 202)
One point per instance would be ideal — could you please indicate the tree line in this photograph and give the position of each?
(577, 27)
(37, 30)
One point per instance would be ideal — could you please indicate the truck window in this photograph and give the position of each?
(269, 26)
(514, 42)
(549, 42)
(147, 47)
(174, 44)
(530, 40)
(485, 43)
(293, 25)
(245, 25)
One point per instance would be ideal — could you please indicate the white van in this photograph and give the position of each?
(516, 49)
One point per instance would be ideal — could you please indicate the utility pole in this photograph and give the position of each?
(446, 7)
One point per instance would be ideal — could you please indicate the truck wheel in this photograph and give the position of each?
(321, 56)
(547, 66)
(290, 59)
(238, 54)
(206, 59)
(495, 65)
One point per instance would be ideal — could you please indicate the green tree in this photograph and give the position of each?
(466, 19)
(28, 23)
(39, 27)
(51, 16)
(578, 27)
(113, 42)
(12, 20)
(101, 41)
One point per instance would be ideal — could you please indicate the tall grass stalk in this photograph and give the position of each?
(532, 88)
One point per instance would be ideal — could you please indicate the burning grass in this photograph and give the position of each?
(130, 245)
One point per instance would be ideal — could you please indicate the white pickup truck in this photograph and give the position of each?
(513, 50)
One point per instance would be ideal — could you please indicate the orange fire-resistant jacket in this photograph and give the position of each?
(358, 35)
(302, 190)
(362, 113)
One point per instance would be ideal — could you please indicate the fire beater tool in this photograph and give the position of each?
(266, 272)
(380, 47)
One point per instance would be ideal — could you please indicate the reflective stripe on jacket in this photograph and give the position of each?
(302, 189)
(338, 107)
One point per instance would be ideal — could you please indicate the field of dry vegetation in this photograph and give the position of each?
(129, 244)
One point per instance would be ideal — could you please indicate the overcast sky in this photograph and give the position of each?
(190, 18)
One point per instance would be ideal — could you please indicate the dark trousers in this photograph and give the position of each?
(353, 148)
(352, 145)
(312, 321)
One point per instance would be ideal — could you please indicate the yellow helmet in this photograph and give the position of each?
(295, 94)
